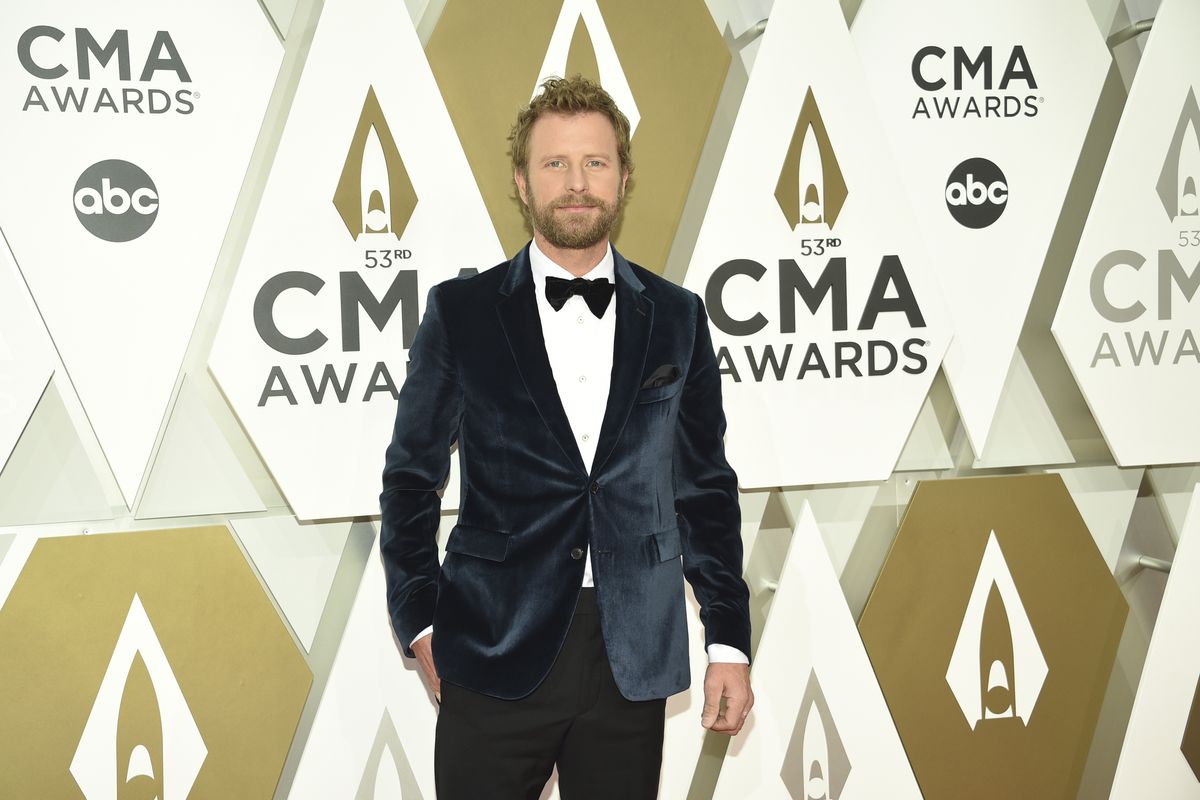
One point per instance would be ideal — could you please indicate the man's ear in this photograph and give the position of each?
(519, 180)
(624, 179)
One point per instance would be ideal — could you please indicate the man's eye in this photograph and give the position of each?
(595, 162)
(554, 163)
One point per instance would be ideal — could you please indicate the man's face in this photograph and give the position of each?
(575, 185)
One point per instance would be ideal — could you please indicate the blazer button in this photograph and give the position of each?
(577, 553)
(595, 487)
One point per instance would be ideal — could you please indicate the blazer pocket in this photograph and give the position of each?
(468, 540)
(658, 392)
(668, 544)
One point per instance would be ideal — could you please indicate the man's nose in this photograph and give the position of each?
(577, 178)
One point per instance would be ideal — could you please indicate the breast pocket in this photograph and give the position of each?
(659, 392)
(469, 540)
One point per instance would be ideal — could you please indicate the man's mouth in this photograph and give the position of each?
(576, 205)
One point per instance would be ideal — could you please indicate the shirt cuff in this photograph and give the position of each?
(429, 631)
(723, 654)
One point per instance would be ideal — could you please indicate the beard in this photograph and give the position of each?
(575, 232)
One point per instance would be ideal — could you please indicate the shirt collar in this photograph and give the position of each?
(541, 265)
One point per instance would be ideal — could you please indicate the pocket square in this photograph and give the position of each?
(665, 374)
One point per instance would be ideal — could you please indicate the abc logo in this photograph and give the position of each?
(115, 200)
(976, 193)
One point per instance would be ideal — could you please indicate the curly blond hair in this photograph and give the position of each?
(574, 95)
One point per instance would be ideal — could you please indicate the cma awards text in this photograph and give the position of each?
(337, 379)
(870, 355)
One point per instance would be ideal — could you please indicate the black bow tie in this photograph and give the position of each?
(596, 293)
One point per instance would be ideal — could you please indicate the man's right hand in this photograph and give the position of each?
(423, 649)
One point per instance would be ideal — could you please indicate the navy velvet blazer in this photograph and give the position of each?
(660, 488)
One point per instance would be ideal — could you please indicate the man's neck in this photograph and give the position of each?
(578, 262)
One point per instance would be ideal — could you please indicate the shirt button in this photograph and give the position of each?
(585, 437)
(595, 487)
(583, 378)
(579, 320)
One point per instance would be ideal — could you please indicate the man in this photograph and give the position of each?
(587, 414)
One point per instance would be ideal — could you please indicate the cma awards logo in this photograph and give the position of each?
(1176, 274)
(115, 200)
(375, 200)
(976, 193)
(984, 83)
(374, 194)
(815, 766)
(66, 69)
(997, 668)
(140, 740)
(811, 191)
(1177, 183)
(581, 45)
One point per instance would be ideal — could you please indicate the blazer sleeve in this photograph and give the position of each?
(706, 500)
(416, 466)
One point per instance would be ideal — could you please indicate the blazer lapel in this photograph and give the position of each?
(635, 319)
(523, 328)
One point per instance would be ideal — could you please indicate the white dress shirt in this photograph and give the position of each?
(580, 349)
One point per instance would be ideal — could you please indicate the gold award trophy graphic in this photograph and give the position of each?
(811, 188)
(996, 646)
(142, 710)
(374, 194)
(154, 668)
(993, 628)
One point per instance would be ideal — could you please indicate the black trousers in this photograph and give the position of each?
(604, 745)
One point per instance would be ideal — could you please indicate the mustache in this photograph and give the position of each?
(586, 200)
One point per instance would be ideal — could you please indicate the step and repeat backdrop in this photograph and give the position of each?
(950, 255)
